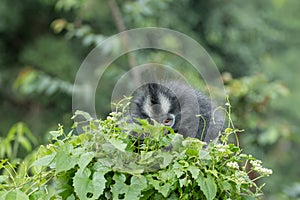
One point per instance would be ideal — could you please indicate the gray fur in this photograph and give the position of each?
(162, 100)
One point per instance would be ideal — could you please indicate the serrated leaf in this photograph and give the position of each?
(82, 183)
(132, 191)
(176, 142)
(103, 165)
(98, 184)
(162, 188)
(208, 186)
(204, 155)
(118, 144)
(183, 182)
(64, 159)
(167, 159)
(194, 171)
(146, 157)
(85, 159)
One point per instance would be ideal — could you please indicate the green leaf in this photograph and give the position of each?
(183, 182)
(194, 171)
(40, 194)
(44, 161)
(86, 115)
(176, 141)
(130, 192)
(65, 160)
(103, 165)
(85, 186)
(71, 197)
(3, 178)
(85, 159)
(118, 144)
(98, 184)
(204, 155)
(82, 183)
(208, 186)
(161, 187)
(25, 143)
(167, 159)
(15, 195)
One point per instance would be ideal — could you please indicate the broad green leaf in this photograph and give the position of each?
(178, 169)
(194, 171)
(208, 186)
(25, 143)
(183, 182)
(44, 161)
(98, 184)
(130, 168)
(132, 191)
(64, 159)
(85, 159)
(118, 144)
(40, 194)
(103, 165)
(163, 188)
(55, 134)
(83, 185)
(3, 178)
(167, 159)
(176, 142)
(15, 195)
(204, 155)
(71, 197)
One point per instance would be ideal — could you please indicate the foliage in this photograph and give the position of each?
(18, 136)
(108, 161)
(252, 104)
(43, 42)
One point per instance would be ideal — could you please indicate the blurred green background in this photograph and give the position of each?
(255, 44)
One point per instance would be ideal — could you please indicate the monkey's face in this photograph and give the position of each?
(155, 102)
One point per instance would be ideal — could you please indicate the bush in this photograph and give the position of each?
(107, 162)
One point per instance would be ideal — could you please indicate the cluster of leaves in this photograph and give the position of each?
(114, 160)
(256, 109)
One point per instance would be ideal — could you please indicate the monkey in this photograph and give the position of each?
(186, 110)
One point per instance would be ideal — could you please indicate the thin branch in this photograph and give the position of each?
(116, 13)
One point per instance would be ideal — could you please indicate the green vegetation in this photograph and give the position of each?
(255, 45)
(107, 162)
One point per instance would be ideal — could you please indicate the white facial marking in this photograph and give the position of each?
(148, 107)
(165, 103)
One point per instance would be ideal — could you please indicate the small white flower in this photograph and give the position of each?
(221, 148)
(233, 165)
(265, 171)
(257, 166)
(111, 118)
(255, 163)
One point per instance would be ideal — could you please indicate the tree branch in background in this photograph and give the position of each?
(117, 16)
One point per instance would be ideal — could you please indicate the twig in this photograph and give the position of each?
(125, 39)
